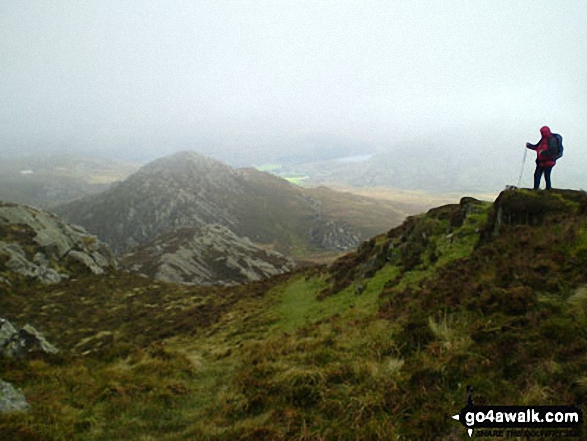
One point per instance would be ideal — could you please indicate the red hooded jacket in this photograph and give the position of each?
(543, 155)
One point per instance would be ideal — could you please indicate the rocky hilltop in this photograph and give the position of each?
(37, 245)
(190, 190)
(208, 255)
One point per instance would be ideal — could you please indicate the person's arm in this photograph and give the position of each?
(532, 146)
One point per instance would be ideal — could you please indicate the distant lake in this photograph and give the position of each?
(355, 158)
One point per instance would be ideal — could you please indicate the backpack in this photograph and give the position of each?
(555, 148)
(557, 152)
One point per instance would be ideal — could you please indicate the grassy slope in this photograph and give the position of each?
(274, 212)
(379, 346)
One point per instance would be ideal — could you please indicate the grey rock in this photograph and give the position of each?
(332, 235)
(11, 399)
(37, 268)
(89, 261)
(10, 343)
(19, 343)
(212, 254)
(50, 241)
(35, 341)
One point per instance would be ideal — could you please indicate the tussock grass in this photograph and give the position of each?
(578, 301)
(452, 331)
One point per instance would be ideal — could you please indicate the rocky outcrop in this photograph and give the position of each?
(209, 255)
(20, 343)
(526, 207)
(332, 235)
(38, 245)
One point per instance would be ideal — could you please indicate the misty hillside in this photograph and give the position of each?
(380, 345)
(44, 180)
(431, 168)
(190, 190)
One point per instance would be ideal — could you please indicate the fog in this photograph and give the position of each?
(251, 81)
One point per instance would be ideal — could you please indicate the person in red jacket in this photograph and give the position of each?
(546, 156)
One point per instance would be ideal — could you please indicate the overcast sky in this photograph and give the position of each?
(159, 76)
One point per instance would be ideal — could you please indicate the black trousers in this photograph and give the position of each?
(538, 176)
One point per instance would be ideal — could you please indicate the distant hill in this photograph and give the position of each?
(189, 190)
(208, 255)
(434, 168)
(382, 344)
(45, 180)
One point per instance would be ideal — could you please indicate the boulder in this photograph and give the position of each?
(19, 343)
(11, 399)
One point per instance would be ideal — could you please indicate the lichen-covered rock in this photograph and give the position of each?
(11, 399)
(38, 245)
(332, 235)
(34, 341)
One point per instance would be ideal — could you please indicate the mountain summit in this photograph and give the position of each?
(190, 190)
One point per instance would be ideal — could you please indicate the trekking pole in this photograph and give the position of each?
(522, 171)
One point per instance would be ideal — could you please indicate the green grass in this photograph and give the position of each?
(269, 167)
(300, 181)
(299, 305)
(275, 168)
